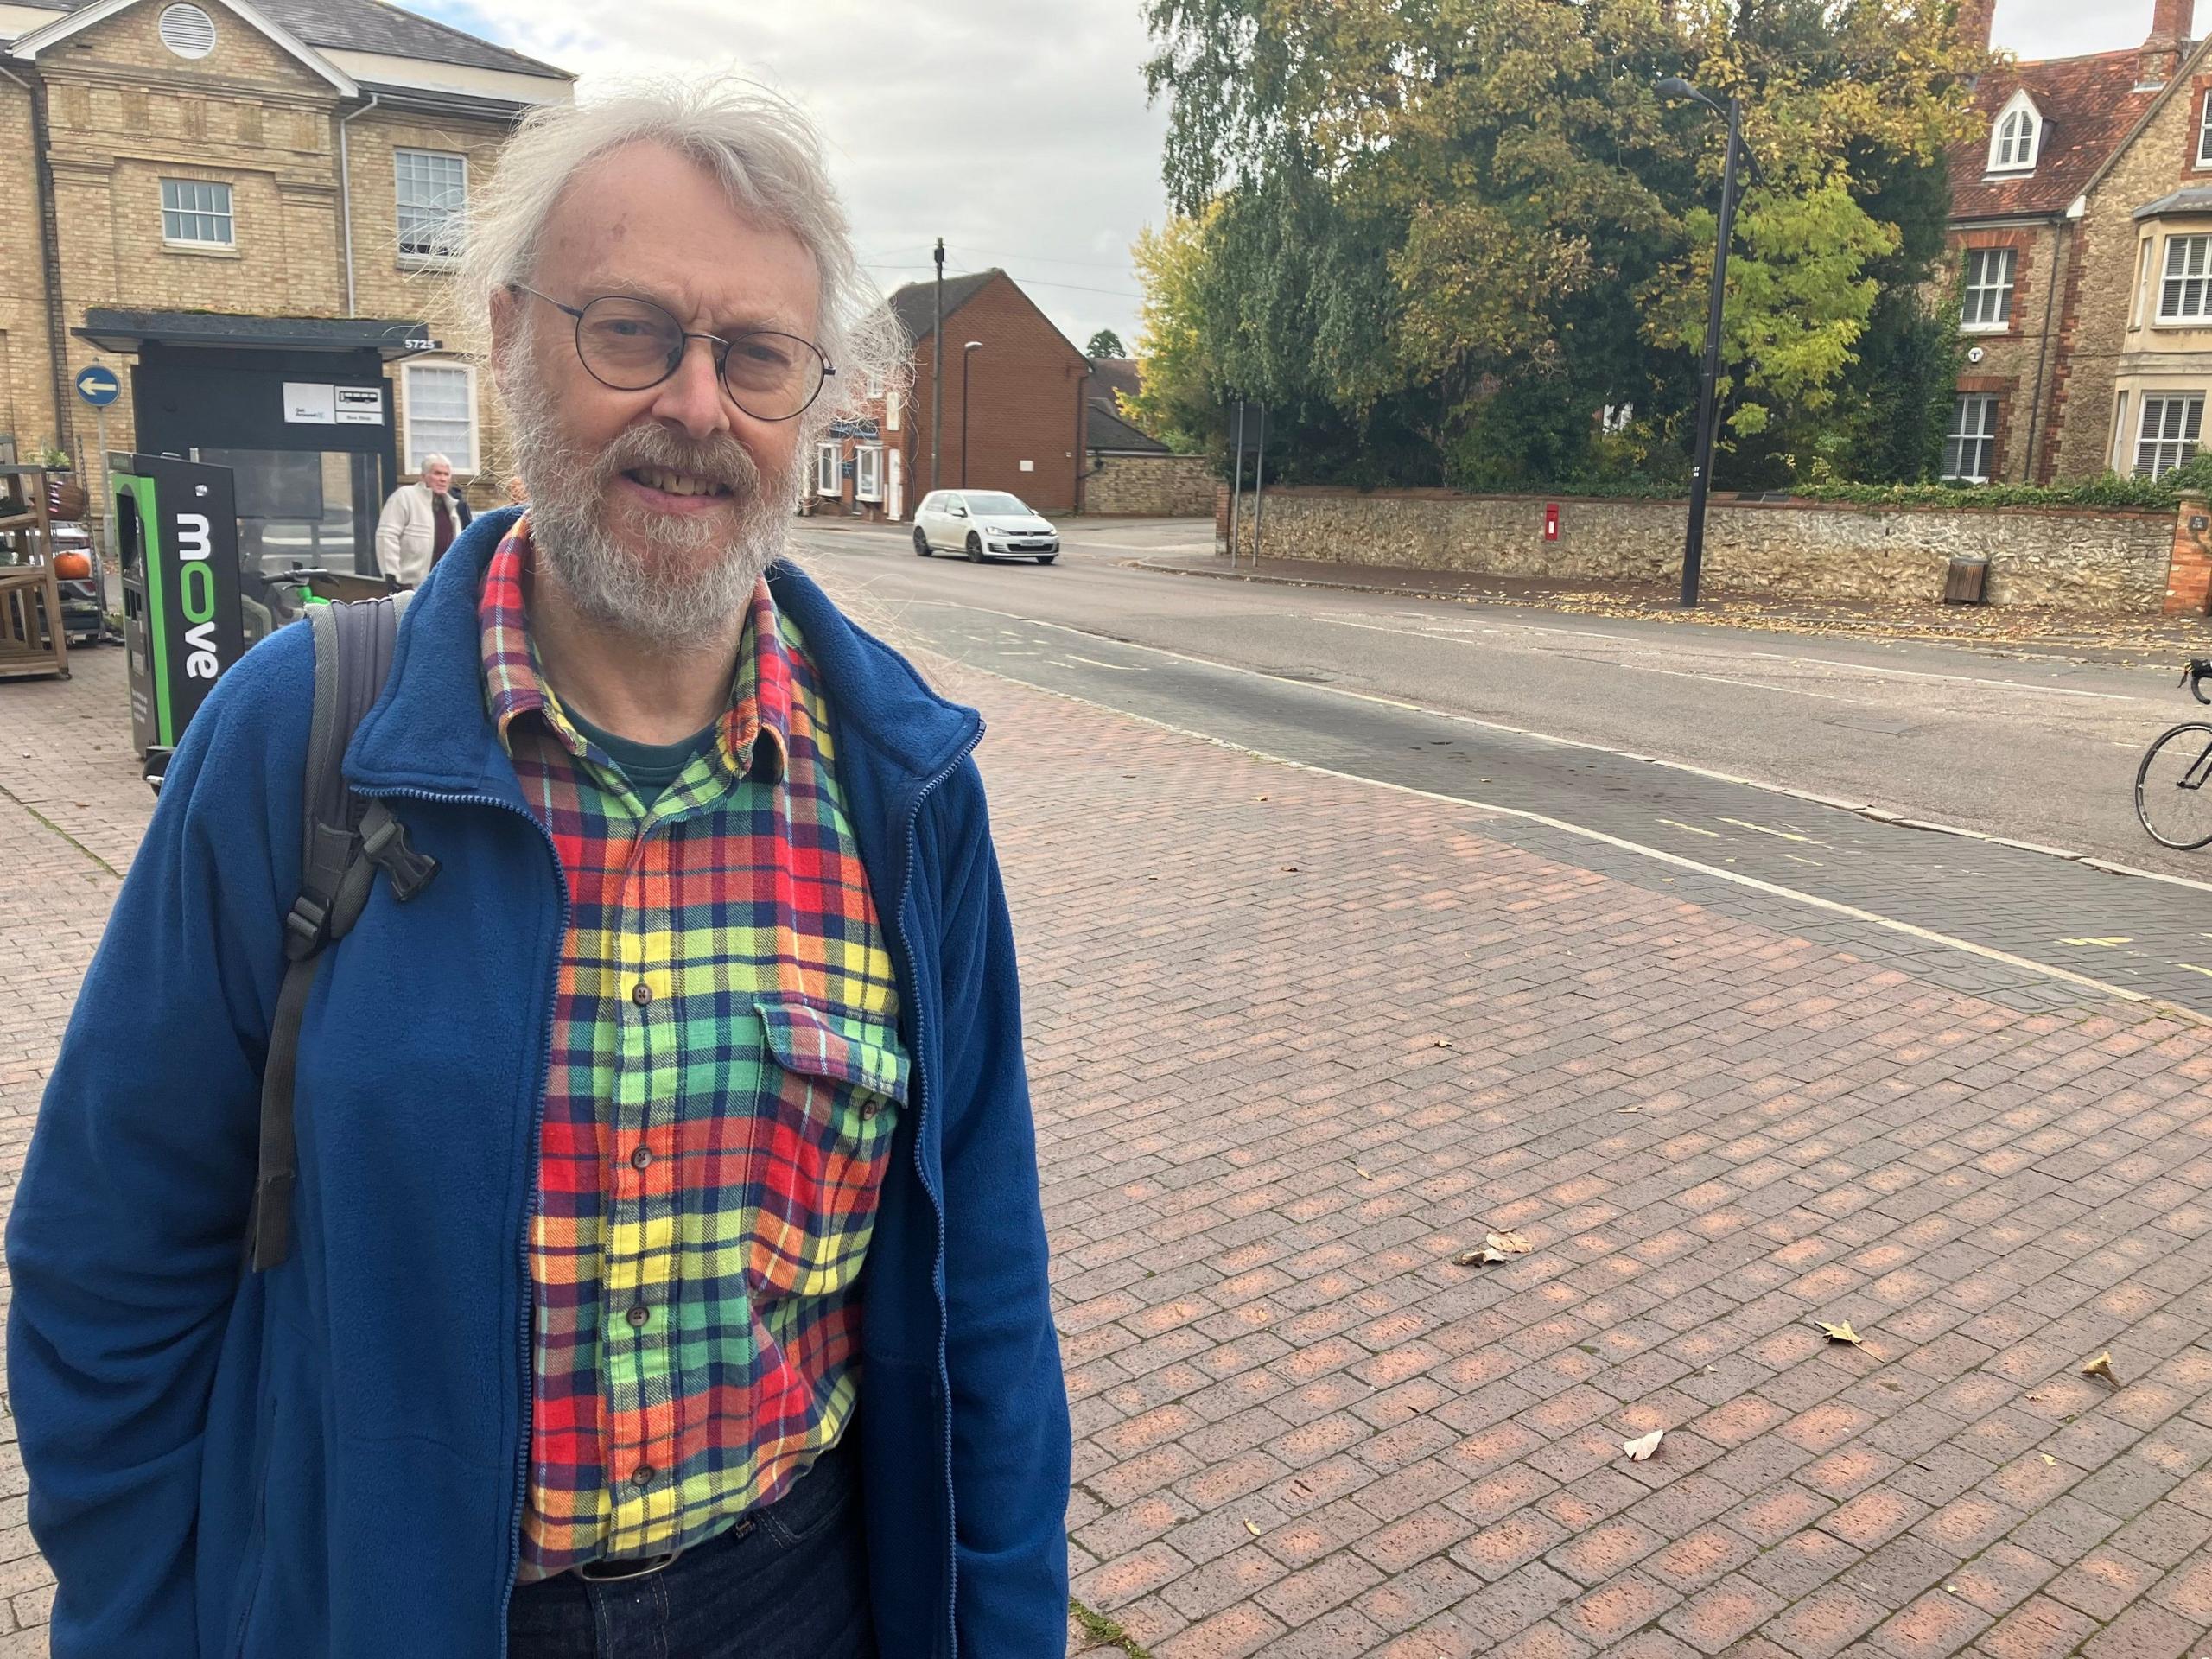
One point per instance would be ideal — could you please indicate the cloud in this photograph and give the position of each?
(2061, 29)
(1016, 129)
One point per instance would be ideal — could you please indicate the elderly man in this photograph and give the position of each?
(667, 1272)
(419, 523)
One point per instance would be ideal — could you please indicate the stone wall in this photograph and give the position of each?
(2078, 559)
(1153, 486)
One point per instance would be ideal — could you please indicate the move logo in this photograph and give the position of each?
(196, 583)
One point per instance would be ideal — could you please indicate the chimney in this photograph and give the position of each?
(1973, 20)
(2162, 50)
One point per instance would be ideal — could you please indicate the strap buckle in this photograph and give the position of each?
(307, 929)
(384, 842)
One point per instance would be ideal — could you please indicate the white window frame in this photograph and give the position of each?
(891, 409)
(867, 471)
(2205, 131)
(2189, 288)
(1987, 295)
(1982, 435)
(830, 469)
(2118, 460)
(409, 452)
(2142, 280)
(447, 249)
(226, 214)
(2016, 135)
(2179, 418)
(874, 385)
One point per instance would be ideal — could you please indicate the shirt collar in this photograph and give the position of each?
(514, 682)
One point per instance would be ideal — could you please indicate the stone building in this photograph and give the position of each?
(251, 212)
(2082, 234)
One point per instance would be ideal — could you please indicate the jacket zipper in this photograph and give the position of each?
(921, 1170)
(529, 1161)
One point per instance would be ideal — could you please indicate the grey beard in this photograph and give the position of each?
(692, 597)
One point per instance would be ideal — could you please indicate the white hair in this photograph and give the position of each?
(766, 155)
(429, 461)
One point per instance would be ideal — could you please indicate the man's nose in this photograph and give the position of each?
(691, 398)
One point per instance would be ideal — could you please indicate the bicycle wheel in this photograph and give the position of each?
(2171, 797)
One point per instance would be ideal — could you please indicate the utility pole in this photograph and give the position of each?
(1708, 412)
(936, 367)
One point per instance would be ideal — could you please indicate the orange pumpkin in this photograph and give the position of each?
(73, 567)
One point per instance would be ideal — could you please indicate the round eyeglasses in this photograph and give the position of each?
(633, 345)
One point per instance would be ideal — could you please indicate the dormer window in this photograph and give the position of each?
(2016, 137)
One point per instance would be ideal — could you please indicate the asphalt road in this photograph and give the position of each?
(2037, 751)
(1658, 755)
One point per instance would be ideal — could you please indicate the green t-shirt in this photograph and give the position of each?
(649, 767)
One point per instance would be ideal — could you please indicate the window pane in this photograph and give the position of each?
(433, 189)
(440, 416)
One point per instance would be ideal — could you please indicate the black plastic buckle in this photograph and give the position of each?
(307, 929)
(387, 849)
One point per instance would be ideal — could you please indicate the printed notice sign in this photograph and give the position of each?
(308, 405)
(360, 405)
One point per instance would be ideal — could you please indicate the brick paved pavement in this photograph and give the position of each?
(1297, 1041)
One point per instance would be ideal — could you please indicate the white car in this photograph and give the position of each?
(983, 525)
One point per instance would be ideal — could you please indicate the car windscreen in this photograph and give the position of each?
(997, 502)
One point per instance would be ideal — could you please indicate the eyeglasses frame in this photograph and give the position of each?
(686, 336)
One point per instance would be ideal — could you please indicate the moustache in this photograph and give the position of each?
(721, 461)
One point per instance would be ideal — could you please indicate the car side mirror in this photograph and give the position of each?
(960, 512)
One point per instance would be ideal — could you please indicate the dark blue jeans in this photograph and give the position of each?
(786, 1582)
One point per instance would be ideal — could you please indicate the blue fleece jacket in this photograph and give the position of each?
(328, 1458)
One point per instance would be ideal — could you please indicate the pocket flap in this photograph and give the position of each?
(806, 1040)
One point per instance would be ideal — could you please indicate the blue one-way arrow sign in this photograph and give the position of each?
(99, 386)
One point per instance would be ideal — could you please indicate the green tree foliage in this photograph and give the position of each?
(1442, 236)
(1105, 343)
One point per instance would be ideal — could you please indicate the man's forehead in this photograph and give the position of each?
(643, 220)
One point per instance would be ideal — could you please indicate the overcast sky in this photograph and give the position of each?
(1016, 129)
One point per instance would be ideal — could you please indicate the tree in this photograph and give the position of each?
(1180, 380)
(1105, 343)
(1460, 229)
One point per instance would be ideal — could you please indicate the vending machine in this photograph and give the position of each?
(176, 532)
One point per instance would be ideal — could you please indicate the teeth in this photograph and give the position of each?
(660, 478)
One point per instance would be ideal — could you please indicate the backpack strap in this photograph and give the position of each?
(343, 841)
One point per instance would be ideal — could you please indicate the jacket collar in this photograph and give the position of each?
(430, 731)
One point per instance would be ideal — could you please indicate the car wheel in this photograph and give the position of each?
(1047, 558)
(921, 542)
(975, 548)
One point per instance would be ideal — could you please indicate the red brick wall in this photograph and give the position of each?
(1026, 386)
(2189, 573)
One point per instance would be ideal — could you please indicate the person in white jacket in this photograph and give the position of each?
(419, 523)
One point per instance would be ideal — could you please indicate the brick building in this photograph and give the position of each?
(2082, 232)
(254, 210)
(1027, 392)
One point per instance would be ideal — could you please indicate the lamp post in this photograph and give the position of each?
(965, 359)
(1708, 376)
(936, 365)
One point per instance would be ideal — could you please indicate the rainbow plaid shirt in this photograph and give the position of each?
(726, 1073)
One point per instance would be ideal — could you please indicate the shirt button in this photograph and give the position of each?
(641, 1158)
(638, 1315)
(641, 993)
(642, 1476)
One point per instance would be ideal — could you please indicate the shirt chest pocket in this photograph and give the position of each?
(830, 1094)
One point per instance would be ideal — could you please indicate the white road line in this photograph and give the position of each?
(1630, 642)
(1862, 811)
(1779, 834)
(1660, 855)
(1633, 668)
(1677, 823)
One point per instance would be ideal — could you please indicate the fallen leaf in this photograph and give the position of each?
(1842, 1333)
(1445, 1042)
(1364, 1175)
(2102, 1366)
(1640, 1451)
(1261, 798)
(1290, 869)
(1253, 1527)
(1484, 1257)
(2052, 1461)
(1507, 1243)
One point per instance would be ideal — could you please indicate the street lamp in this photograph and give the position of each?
(964, 361)
(1674, 86)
